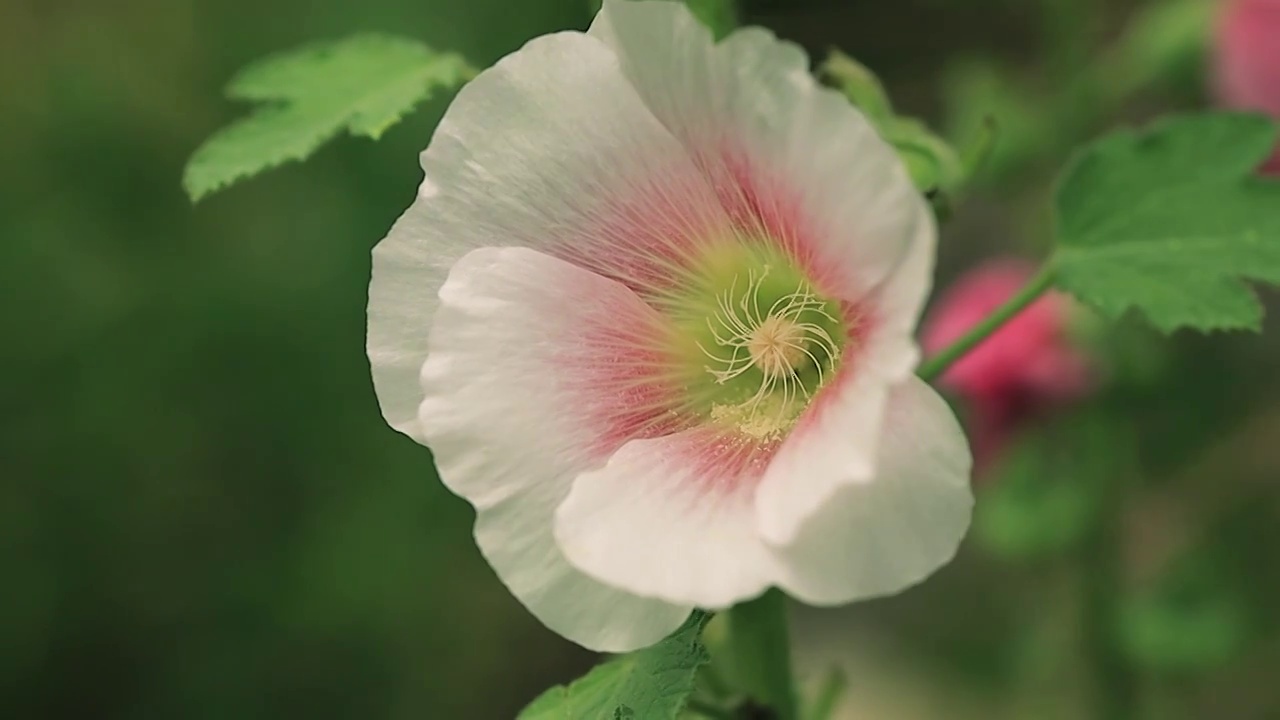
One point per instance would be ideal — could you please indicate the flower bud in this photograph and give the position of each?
(1028, 367)
(1247, 62)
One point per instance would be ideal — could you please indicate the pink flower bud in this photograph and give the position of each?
(1247, 63)
(1027, 367)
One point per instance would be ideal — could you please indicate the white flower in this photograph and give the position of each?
(652, 311)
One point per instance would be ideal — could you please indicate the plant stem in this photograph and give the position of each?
(936, 365)
(762, 652)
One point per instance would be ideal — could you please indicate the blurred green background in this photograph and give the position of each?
(204, 516)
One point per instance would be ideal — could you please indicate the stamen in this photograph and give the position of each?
(779, 344)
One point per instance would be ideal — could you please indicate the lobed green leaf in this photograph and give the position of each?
(363, 84)
(1172, 221)
(649, 684)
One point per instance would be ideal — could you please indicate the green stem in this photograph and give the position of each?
(936, 365)
(761, 651)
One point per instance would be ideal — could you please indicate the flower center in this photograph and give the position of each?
(753, 341)
(777, 346)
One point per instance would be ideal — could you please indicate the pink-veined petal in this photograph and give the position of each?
(884, 534)
(672, 517)
(835, 442)
(896, 305)
(792, 156)
(551, 149)
(536, 374)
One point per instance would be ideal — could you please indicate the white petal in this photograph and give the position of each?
(672, 517)
(798, 155)
(898, 302)
(883, 535)
(836, 442)
(515, 537)
(513, 412)
(833, 445)
(551, 149)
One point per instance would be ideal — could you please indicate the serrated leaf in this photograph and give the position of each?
(649, 684)
(1172, 221)
(363, 84)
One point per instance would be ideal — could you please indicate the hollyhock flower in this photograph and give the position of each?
(1247, 68)
(1023, 369)
(652, 311)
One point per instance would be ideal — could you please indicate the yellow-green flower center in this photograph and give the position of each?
(754, 340)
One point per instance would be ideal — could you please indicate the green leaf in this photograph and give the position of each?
(363, 84)
(1172, 221)
(650, 684)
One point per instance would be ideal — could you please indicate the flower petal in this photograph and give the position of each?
(672, 517)
(898, 302)
(885, 534)
(531, 380)
(833, 445)
(836, 441)
(551, 149)
(779, 148)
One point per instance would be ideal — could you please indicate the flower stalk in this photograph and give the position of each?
(761, 650)
(932, 368)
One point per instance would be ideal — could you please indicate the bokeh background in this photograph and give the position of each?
(202, 514)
